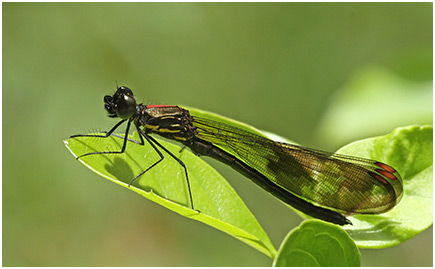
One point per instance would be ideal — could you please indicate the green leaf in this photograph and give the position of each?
(410, 151)
(407, 149)
(165, 184)
(317, 243)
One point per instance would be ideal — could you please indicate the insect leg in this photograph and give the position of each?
(154, 142)
(148, 138)
(105, 136)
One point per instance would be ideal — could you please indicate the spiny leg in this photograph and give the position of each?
(104, 136)
(175, 158)
(154, 147)
(107, 135)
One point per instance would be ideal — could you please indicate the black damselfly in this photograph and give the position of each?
(324, 185)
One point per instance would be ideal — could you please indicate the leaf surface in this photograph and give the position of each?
(317, 243)
(218, 204)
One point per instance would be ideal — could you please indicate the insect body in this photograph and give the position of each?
(320, 184)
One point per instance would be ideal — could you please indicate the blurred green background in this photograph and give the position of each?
(317, 73)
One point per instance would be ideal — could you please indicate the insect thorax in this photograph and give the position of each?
(172, 122)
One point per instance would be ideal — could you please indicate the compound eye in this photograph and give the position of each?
(108, 99)
(109, 106)
(126, 106)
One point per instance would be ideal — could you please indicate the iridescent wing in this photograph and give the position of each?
(342, 183)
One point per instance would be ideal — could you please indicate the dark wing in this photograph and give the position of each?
(344, 183)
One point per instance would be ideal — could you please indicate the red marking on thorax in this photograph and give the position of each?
(385, 167)
(151, 106)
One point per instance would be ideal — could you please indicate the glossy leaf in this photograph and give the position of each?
(407, 149)
(410, 151)
(317, 243)
(165, 184)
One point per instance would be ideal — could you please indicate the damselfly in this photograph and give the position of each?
(324, 185)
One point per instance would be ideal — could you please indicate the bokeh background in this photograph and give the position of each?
(320, 74)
